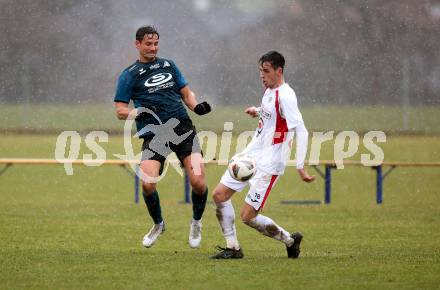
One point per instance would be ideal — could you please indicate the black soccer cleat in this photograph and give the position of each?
(226, 253)
(294, 250)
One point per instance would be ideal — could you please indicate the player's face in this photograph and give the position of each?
(270, 77)
(148, 47)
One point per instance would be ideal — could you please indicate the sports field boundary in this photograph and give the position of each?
(328, 165)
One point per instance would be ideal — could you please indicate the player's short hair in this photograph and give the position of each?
(275, 58)
(145, 30)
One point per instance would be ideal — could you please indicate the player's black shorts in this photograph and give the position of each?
(158, 147)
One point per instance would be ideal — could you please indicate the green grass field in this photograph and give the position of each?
(84, 231)
(87, 117)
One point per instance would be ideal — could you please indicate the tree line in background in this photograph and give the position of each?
(338, 52)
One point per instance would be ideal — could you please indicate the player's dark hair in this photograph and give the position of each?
(145, 30)
(275, 58)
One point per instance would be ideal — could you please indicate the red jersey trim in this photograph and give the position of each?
(269, 188)
(281, 124)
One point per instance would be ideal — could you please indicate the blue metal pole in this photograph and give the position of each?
(379, 185)
(186, 188)
(136, 185)
(328, 182)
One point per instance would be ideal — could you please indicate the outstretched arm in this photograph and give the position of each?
(190, 101)
(252, 111)
(188, 97)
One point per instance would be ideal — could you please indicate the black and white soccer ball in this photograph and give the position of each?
(242, 167)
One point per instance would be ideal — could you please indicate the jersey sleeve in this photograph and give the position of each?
(302, 139)
(124, 88)
(178, 77)
(289, 109)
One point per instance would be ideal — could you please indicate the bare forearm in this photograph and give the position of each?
(190, 100)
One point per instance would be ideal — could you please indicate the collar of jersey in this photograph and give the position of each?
(277, 88)
(148, 63)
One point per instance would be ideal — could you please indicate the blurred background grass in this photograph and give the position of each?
(52, 118)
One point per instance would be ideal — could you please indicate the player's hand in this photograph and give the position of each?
(305, 176)
(202, 108)
(253, 111)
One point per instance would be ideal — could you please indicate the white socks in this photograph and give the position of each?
(226, 217)
(269, 228)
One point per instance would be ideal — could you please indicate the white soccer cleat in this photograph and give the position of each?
(195, 234)
(153, 234)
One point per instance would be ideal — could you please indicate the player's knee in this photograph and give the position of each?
(218, 196)
(245, 218)
(247, 215)
(199, 186)
(148, 188)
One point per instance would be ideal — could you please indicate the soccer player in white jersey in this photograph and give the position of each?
(279, 119)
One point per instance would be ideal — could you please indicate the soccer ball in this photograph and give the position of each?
(242, 167)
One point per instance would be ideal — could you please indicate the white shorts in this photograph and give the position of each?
(260, 186)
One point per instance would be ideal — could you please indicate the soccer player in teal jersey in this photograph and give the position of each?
(157, 88)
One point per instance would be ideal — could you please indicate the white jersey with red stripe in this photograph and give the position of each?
(272, 142)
